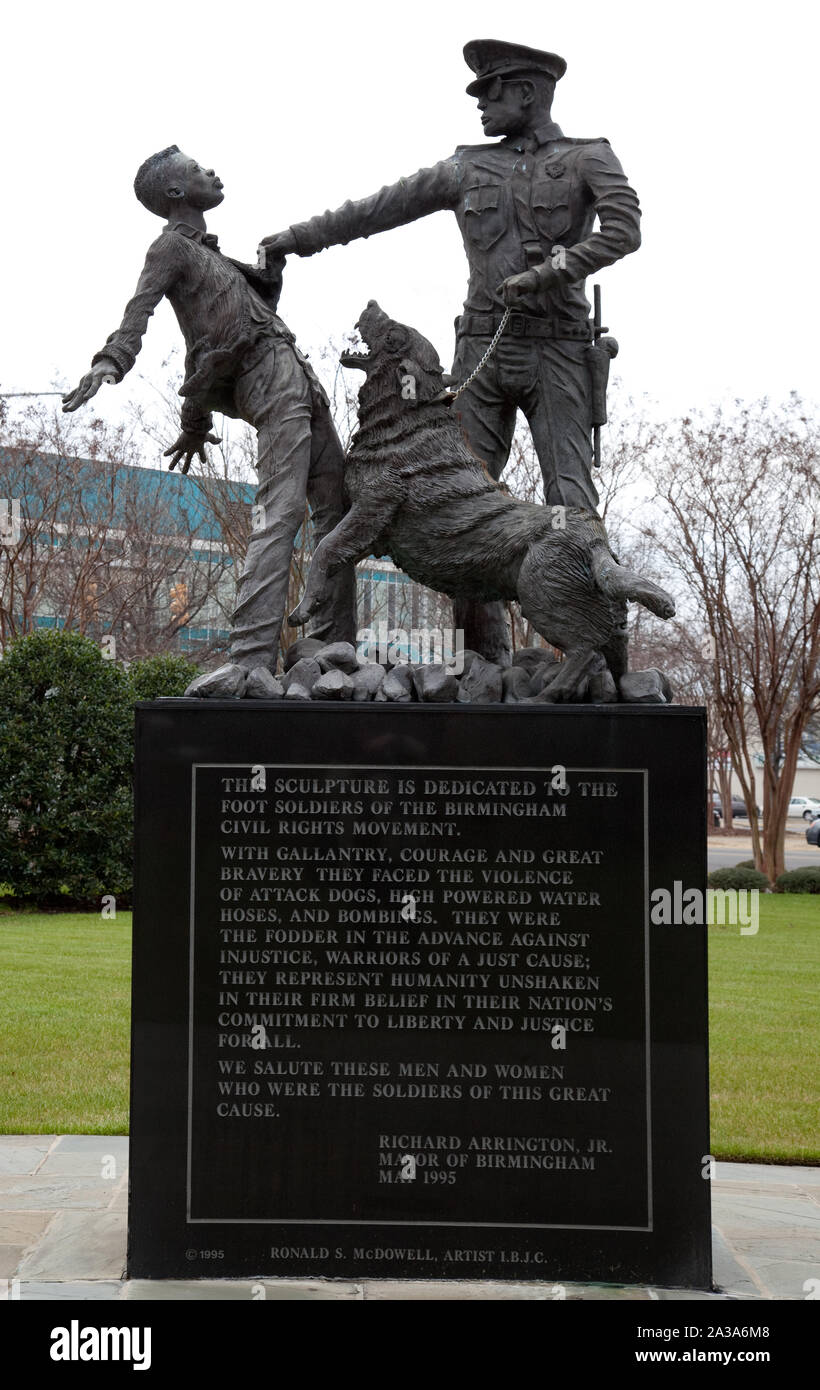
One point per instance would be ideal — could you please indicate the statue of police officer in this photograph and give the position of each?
(526, 206)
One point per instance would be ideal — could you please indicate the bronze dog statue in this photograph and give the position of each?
(419, 495)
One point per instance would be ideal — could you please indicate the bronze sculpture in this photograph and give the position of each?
(525, 207)
(419, 494)
(243, 361)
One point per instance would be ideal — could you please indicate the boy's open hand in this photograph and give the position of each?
(90, 384)
(188, 447)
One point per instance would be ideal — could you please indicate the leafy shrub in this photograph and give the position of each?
(746, 864)
(738, 878)
(805, 880)
(65, 769)
(66, 754)
(152, 676)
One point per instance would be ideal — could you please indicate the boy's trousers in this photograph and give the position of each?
(299, 455)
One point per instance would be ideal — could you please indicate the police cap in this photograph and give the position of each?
(491, 58)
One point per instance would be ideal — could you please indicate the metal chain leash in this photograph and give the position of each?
(454, 395)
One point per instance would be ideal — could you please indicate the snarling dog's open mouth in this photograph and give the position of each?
(357, 354)
(373, 328)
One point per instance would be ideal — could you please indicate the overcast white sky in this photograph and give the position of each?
(711, 108)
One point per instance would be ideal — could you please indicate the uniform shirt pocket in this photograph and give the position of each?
(551, 208)
(484, 214)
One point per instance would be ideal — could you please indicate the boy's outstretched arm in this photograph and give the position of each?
(159, 274)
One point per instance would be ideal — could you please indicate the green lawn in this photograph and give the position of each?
(763, 1012)
(64, 984)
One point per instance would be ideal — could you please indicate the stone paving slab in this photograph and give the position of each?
(727, 1193)
(26, 1193)
(10, 1257)
(119, 1202)
(96, 1163)
(689, 1295)
(97, 1289)
(165, 1290)
(23, 1158)
(85, 1143)
(804, 1248)
(767, 1174)
(787, 1279)
(734, 1278)
(744, 1214)
(12, 1141)
(79, 1245)
(441, 1291)
(23, 1227)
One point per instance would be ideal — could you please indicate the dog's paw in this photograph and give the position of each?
(663, 605)
(653, 597)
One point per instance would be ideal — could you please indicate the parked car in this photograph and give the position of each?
(806, 806)
(813, 833)
(738, 805)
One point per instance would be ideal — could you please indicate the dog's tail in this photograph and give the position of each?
(620, 582)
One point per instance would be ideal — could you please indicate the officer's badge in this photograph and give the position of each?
(555, 171)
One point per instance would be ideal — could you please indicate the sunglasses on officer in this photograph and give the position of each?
(493, 90)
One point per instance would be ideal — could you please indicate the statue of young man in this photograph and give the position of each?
(526, 207)
(243, 362)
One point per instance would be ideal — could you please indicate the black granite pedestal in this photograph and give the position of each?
(400, 1008)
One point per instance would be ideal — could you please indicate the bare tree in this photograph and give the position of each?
(740, 532)
(342, 390)
(722, 511)
(675, 648)
(811, 739)
(99, 546)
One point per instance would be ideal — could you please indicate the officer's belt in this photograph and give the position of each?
(523, 326)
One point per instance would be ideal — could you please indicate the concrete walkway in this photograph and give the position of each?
(63, 1217)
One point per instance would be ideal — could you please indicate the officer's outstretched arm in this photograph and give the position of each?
(430, 190)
